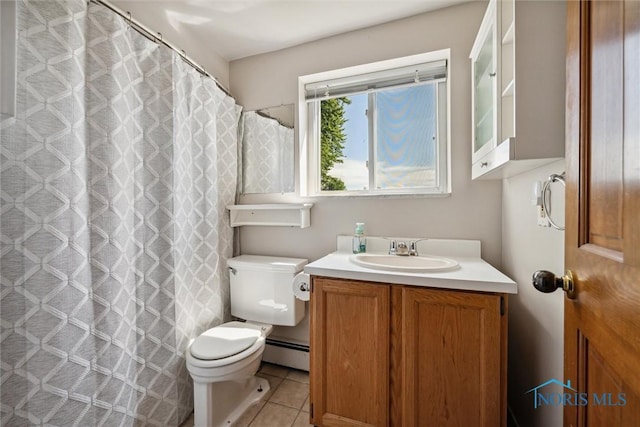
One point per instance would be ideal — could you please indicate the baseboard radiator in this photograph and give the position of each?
(286, 353)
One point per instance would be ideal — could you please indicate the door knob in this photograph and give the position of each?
(546, 281)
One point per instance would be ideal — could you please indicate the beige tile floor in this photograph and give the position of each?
(285, 405)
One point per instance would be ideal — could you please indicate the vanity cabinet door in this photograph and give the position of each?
(349, 353)
(453, 358)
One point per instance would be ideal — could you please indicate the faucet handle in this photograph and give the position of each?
(413, 248)
(393, 247)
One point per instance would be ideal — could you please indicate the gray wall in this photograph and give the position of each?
(536, 320)
(471, 212)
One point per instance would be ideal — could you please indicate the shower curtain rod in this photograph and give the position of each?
(266, 116)
(157, 38)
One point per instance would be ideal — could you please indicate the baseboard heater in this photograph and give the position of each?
(289, 345)
(286, 353)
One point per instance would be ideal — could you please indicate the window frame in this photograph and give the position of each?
(309, 148)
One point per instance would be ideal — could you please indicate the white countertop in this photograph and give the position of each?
(474, 273)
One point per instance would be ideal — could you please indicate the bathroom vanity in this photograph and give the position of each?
(397, 348)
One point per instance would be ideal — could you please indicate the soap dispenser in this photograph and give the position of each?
(359, 241)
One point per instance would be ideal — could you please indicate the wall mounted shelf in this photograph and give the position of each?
(279, 214)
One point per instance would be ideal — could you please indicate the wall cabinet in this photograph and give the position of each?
(395, 355)
(526, 42)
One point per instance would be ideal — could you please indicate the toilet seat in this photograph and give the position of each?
(226, 344)
(224, 341)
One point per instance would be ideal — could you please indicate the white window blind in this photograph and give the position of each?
(369, 82)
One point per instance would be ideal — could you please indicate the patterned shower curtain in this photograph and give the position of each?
(114, 177)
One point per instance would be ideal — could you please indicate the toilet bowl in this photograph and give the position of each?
(222, 362)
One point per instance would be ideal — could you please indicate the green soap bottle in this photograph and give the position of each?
(359, 241)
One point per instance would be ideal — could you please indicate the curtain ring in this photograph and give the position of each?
(160, 34)
(554, 177)
(130, 19)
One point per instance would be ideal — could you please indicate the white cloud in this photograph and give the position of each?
(405, 176)
(354, 173)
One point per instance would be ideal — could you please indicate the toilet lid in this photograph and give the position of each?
(224, 341)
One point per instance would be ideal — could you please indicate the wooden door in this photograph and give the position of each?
(349, 353)
(453, 363)
(602, 324)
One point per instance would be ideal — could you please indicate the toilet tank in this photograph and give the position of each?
(261, 289)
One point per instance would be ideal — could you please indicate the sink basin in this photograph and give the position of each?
(416, 264)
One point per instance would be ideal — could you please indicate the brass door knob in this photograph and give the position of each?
(546, 281)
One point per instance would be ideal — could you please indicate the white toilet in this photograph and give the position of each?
(223, 360)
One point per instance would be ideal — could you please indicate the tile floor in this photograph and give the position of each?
(285, 405)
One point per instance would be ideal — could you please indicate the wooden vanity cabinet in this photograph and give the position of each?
(395, 355)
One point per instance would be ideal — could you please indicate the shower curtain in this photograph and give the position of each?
(114, 177)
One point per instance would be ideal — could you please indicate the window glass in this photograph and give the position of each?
(349, 170)
(405, 145)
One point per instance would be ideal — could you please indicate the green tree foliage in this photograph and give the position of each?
(332, 138)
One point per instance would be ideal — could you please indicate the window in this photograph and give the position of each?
(376, 129)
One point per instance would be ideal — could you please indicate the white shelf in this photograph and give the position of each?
(280, 214)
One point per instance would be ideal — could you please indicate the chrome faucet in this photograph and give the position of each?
(402, 249)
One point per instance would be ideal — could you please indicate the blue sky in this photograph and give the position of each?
(356, 128)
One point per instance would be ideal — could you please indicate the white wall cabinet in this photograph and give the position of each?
(521, 90)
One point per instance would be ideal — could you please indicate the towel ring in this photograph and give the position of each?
(547, 190)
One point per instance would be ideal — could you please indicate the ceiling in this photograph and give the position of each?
(240, 28)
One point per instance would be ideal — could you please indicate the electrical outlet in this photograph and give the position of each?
(543, 221)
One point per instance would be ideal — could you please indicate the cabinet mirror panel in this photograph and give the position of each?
(268, 150)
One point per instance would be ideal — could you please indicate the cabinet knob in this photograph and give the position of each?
(546, 281)
(484, 164)
(492, 74)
